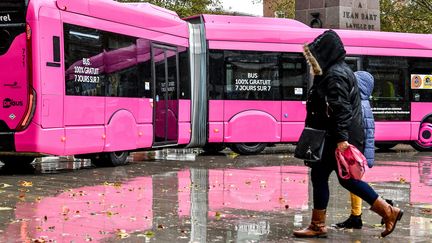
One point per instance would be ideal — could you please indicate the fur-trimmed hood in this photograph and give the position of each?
(326, 50)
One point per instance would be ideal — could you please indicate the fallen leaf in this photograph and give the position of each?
(121, 234)
(149, 234)
(233, 155)
(110, 214)
(4, 185)
(218, 215)
(65, 210)
(5, 208)
(39, 240)
(26, 183)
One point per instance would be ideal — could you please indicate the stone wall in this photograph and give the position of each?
(336, 14)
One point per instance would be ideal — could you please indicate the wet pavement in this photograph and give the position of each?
(187, 196)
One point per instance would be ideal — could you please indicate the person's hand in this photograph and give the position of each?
(342, 145)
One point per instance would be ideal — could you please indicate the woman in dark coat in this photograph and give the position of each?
(334, 105)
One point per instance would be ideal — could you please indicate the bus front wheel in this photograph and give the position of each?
(111, 158)
(248, 148)
(424, 142)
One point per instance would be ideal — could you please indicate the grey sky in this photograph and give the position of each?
(243, 6)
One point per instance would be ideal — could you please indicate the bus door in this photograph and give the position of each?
(294, 81)
(52, 69)
(14, 88)
(165, 96)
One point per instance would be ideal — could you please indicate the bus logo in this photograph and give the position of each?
(7, 103)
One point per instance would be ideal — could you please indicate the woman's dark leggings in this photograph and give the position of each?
(320, 176)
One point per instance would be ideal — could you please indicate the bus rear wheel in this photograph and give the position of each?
(424, 142)
(248, 148)
(110, 159)
(385, 146)
(13, 161)
(213, 148)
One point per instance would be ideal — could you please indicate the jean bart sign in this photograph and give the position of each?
(360, 15)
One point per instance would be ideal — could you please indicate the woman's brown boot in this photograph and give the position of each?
(389, 213)
(317, 227)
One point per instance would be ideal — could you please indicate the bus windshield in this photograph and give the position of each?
(12, 22)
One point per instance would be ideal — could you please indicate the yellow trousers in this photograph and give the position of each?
(356, 205)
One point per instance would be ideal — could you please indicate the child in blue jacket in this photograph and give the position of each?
(365, 82)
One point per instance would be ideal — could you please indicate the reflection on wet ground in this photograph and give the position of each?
(187, 196)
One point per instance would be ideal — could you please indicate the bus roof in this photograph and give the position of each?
(143, 15)
(288, 31)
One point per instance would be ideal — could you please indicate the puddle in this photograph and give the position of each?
(199, 204)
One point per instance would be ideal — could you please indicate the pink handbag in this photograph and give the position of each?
(351, 163)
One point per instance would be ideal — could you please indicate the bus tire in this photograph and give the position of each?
(248, 148)
(12, 161)
(385, 146)
(110, 159)
(424, 142)
(213, 148)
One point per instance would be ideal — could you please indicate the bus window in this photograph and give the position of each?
(354, 63)
(421, 68)
(251, 76)
(390, 98)
(100, 63)
(144, 68)
(120, 62)
(216, 75)
(184, 70)
(83, 61)
(293, 76)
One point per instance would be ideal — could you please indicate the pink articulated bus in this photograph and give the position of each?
(257, 81)
(97, 79)
(91, 78)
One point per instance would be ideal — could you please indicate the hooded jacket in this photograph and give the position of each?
(365, 82)
(333, 101)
